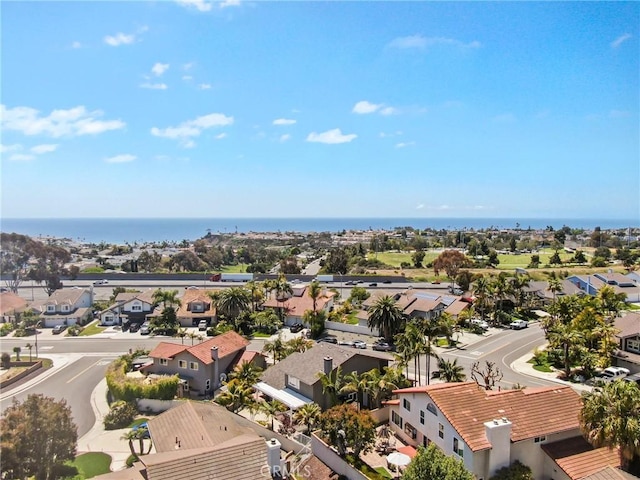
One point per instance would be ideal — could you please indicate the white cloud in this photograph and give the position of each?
(44, 148)
(200, 5)
(75, 121)
(204, 86)
(284, 121)
(124, 158)
(405, 144)
(284, 138)
(331, 136)
(187, 77)
(21, 157)
(389, 111)
(154, 86)
(159, 68)
(192, 128)
(620, 40)
(229, 3)
(364, 107)
(420, 206)
(422, 42)
(119, 39)
(76, 45)
(10, 148)
(220, 136)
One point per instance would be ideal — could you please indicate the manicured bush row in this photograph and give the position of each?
(130, 389)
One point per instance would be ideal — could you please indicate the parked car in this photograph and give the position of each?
(610, 374)
(479, 323)
(518, 324)
(59, 329)
(382, 347)
(296, 327)
(328, 340)
(134, 327)
(635, 378)
(145, 329)
(346, 343)
(202, 325)
(350, 282)
(359, 344)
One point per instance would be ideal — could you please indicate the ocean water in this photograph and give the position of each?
(132, 230)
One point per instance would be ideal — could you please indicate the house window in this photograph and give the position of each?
(108, 318)
(136, 308)
(422, 417)
(457, 447)
(395, 418)
(441, 430)
(182, 363)
(164, 361)
(65, 308)
(406, 404)
(425, 441)
(193, 365)
(207, 384)
(633, 345)
(51, 308)
(293, 382)
(539, 439)
(432, 408)
(409, 430)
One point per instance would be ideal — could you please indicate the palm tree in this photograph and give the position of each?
(136, 434)
(500, 288)
(378, 385)
(168, 298)
(29, 346)
(277, 349)
(333, 385)
(518, 284)
(182, 332)
(447, 326)
(386, 316)
(610, 417)
(315, 290)
(308, 414)
(430, 329)
(283, 292)
(272, 408)
(450, 371)
(555, 286)
(255, 294)
(481, 291)
(610, 301)
(568, 338)
(232, 302)
(298, 344)
(236, 396)
(17, 351)
(246, 373)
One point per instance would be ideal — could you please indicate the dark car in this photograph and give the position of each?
(328, 340)
(59, 329)
(374, 284)
(382, 347)
(387, 281)
(350, 282)
(296, 327)
(134, 327)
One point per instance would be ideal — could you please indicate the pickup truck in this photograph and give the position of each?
(610, 374)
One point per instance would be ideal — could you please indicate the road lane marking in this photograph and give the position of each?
(84, 371)
(47, 347)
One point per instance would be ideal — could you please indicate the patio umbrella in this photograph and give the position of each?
(398, 459)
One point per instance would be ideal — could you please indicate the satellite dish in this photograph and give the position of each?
(223, 377)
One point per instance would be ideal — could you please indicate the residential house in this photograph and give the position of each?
(10, 304)
(295, 380)
(67, 306)
(299, 302)
(202, 367)
(628, 354)
(591, 284)
(537, 291)
(201, 441)
(129, 307)
(196, 305)
(488, 430)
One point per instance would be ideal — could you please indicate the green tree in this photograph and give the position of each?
(358, 295)
(315, 291)
(579, 257)
(515, 471)
(451, 261)
(272, 408)
(568, 339)
(232, 303)
(611, 417)
(276, 348)
(417, 258)
(37, 436)
(246, 373)
(334, 384)
(535, 261)
(555, 259)
(431, 463)
(386, 316)
(345, 426)
(337, 261)
(236, 396)
(308, 414)
(450, 371)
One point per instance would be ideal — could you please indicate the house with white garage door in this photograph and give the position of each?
(68, 306)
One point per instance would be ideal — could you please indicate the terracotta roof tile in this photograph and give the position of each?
(11, 303)
(167, 350)
(296, 306)
(532, 412)
(578, 459)
(229, 343)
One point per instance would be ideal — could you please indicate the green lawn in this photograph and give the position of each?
(396, 258)
(92, 464)
(91, 329)
(261, 335)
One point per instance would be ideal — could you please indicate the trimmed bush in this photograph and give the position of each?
(130, 389)
(120, 416)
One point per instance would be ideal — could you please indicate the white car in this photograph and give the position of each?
(359, 344)
(479, 323)
(518, 324)
(610, 374)
(101, 282)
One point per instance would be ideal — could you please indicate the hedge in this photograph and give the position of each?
(129, 389)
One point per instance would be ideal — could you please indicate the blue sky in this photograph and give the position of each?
(320, 109)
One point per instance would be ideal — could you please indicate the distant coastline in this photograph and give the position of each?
(141, 230)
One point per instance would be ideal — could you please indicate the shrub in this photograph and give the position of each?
(74, 330)
(515, 471)
(539, 357)
(121, 415)
(5, 329)
(130, 389)
(6, 360)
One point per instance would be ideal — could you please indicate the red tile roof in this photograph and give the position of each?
(296, 306)
(11, 303)
(532, 411)
(578, 459)
(408, 450)
(229, 343)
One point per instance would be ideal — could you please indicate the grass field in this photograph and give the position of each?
(240, 268)
(91, 329)
(92, 464)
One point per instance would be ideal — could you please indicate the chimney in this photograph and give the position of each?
(498, 432)
(273, 457)
(328, 365)
(216, 368)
